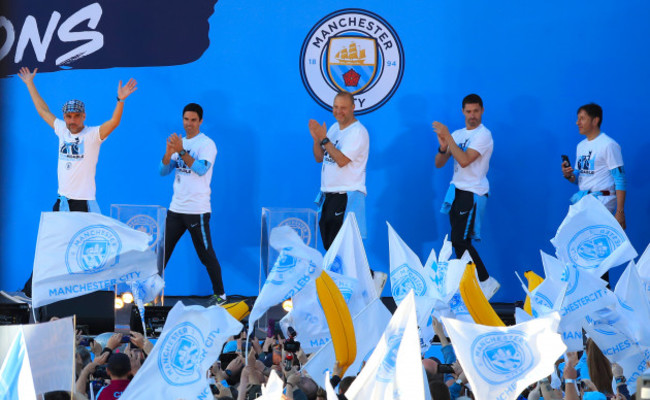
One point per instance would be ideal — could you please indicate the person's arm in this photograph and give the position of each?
(569, 173)
(318, 151)
(443, 154)
(463, 158)
(620, 185)
(122, 93)
(138, 340)
(82, 381)
(319, 132)
(41, 107)
(570, 376)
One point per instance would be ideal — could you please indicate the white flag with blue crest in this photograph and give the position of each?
(296, 266)
(146, 290)
(406, 274)
(369, 325)
(609, 331)
(500, 362)
(307, 316)
(633, 305)
(79, 253)
(591, 239)
(394, 369)
(191, 341)
(347, 256)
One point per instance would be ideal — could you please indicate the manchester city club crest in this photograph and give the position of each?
(589, 247)
(355, 51)
(181, 355)
(146, 224)
(387, 366)
(92, 249)
(301, 228)
(500, 357)
(403, 279)
(283, 265)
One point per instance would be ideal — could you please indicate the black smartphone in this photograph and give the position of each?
(565, 160)
(126, 339)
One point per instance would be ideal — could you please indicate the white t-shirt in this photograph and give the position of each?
(352, 141)
(594, 160)
(473, 178)
(191, 190)
(78, 154)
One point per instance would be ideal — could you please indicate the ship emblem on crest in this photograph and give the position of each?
(92, 249)
(352, 62)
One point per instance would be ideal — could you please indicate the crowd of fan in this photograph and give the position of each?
(104, 372)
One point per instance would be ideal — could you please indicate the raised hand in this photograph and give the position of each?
(174, 143)
(442, 132)
(26, 75)
(124, 91)
(317, 131)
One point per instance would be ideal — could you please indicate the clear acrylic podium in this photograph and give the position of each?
(151, 220)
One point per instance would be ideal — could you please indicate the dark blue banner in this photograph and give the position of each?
(102, 34)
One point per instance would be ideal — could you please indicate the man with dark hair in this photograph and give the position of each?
(118, 369)
(193, 157)
(78, 152)
(343, 151)
(471, 148)
(599, 164)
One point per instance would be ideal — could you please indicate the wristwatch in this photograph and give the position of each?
(182, 153)
(324, 141)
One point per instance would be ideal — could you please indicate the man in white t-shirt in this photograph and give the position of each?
(471, 148)
(193, 157)
(78, 147)
(343, 150)
(599, 168)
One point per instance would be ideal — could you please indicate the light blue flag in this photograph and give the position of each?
(146, 290)
(609, 331)
(16, 381)
(591, 239)
(190, 343)
(79, 253)
(296, 266)
(634, 366)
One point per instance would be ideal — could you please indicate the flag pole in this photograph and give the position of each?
(74, 353)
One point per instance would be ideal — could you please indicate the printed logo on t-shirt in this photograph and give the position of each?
(182, 167)
(72, 150)
(327, 158)
(464, 145)
(586, 164)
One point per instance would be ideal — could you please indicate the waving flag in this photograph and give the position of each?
(591, 239)
(296, 266)
(406, 274)
(307, 316)
(16, 381)
(611, 337)
(633, 304)
(395, 366)
(78, 253)
(191, 340)
(346, 256)
(369, 325)
(499, 362)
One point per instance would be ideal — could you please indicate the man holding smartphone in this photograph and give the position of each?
(599, 168)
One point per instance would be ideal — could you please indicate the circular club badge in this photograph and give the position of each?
(499, 358)
(404, 279)
(91, 249)
(181, 355)
(589, 247)
(146, 224)
(356, 51)
(300, 226)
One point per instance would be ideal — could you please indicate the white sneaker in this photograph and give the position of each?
(16, 297)
(489, 287)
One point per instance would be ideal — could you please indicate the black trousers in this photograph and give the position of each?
(461, 217)
(199, 227)
(331, 217)
(75, 205)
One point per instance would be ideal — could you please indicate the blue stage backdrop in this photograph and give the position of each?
(261, 69)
